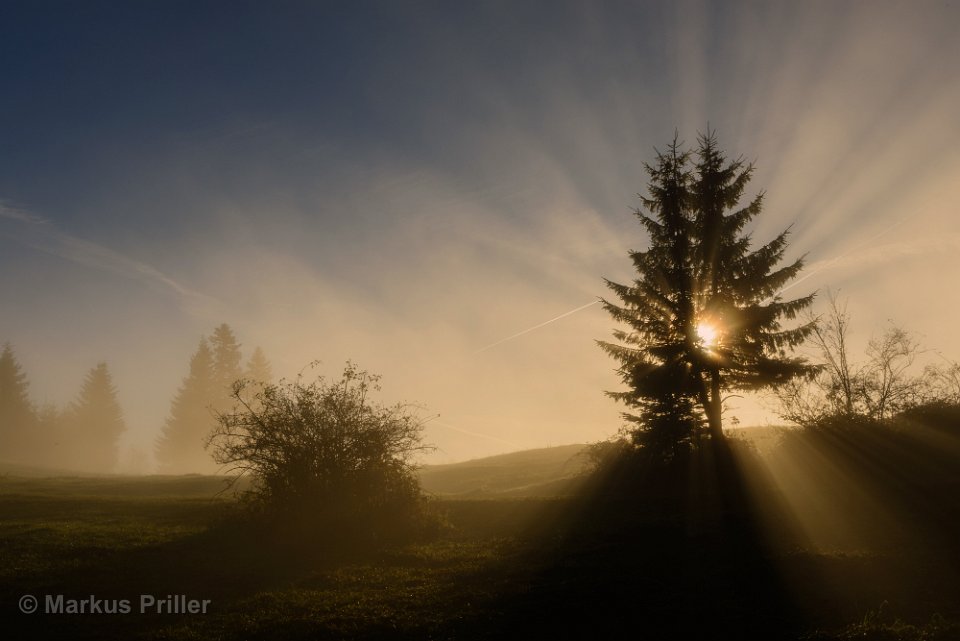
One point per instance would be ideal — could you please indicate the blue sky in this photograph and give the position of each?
(406, 183)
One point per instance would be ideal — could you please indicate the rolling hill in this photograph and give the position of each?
(544, 472)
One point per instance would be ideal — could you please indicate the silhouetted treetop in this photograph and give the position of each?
(704, 315)
(17, 414)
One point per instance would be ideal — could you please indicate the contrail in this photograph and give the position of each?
(43, 235)
(826, 264)
(477, 434)
(530, 329)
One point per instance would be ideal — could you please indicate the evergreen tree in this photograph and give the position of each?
(96, 422)
(659, 309)
(226, 365)
(743, 345)
(257, 376)
(704, 314)
(180, 447)
(17, 416)
(258, 368)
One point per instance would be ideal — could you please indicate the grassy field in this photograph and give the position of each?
(118, 539)
(544, 472)
(500, 568)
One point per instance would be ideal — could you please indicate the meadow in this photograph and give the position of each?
(685, 557)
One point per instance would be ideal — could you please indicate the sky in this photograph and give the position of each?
(409, 184)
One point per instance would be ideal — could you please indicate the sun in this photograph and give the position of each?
(708, 334)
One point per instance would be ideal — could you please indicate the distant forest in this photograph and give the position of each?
(84, 434)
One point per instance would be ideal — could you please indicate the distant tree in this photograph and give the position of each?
(881, 384)
(180, 447)
(17, 415)
(704, 314)
(256, 375)
(839, 379)
(226, 364)
(322, 446)
(258, 367)
(214, 369)
(944, 382)
(888, 384)
(96, 422)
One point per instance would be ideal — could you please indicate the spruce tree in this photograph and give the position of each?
(258, 368)
(659, 311)
(96, 422)
(226, 365)
(17, 415)
(743, 344)
(180, 447)
(258, 375)
(704, 314)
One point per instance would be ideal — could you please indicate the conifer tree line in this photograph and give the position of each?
(205, 392)
(84, 435)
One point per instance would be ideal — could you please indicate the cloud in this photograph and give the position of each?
(20, 215)
(41, 234)
(891, 252)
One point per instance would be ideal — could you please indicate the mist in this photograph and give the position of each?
(405, 188)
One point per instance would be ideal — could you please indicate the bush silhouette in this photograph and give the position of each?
(323, 451)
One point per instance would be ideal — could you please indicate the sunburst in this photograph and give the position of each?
(708, 333)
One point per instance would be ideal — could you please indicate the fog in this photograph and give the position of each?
(417, 189)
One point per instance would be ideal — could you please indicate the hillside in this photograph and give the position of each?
(544, 472)
(550, 471)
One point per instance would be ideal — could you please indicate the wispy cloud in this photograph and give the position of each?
(41, 234)
(863, 257)
(847, 258)
(20, 215)
(891, 252)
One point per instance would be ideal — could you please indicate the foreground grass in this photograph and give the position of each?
(502, 569)
(117, 541)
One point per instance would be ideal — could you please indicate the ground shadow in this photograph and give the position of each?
(672, 551)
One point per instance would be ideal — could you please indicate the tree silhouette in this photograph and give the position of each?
(704, 313)
(874, 388)
(180, 445)
(96, 421)
(17, 415)
(205, 392)
(226, 365)
(258, 367)
(257, 375)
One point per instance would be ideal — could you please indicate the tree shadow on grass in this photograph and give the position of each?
(880, 503)
(673, 551)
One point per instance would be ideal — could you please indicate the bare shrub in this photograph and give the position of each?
(322, 447)
(884, 383)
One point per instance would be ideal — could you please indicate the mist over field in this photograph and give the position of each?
(406, 185)
(480, 320)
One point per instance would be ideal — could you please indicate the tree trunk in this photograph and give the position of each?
(713, 408)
